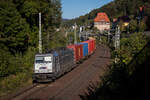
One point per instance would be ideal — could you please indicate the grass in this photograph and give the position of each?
(14, 82)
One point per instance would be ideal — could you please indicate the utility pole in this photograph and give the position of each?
(117, 38)
(40, 34)
(80, 33)
(117, 42)
(75, 34)
(81, 29)
(99, 37)
(108, 36)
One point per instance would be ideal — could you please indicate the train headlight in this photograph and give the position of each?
(36, 71)
(49, 70)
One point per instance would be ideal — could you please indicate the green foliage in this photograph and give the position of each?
(6, 65)
(12, 83)
(30, 12)
(127, 79)
(133, 26)
(19, 27)
(131, 46)
(142, 26)
(70, 38)
(14, 30)
(57, 40)
(95, 30)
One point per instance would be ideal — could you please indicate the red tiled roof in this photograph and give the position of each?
(101, 17)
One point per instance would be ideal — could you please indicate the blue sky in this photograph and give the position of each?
(76, 8)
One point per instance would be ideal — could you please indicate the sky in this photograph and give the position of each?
(75, 8)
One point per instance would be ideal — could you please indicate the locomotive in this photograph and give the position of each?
(49, 66)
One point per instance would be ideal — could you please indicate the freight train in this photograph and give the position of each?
(50, 66)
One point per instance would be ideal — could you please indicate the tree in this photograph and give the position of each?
(131, 46)
(142, 26)
(14, 30)
(133, 26)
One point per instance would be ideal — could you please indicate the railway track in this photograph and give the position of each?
(23, 91)
(71, 84)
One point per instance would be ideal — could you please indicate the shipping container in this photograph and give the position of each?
(94, 44)
(78, 51)
(89, 46)
(85, 49)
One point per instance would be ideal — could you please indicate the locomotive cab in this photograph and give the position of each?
(43, 67)
(48, 67)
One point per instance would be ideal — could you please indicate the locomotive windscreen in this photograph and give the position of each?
(42, 59)
(39, 59)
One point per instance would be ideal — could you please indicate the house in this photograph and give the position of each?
(102, 22)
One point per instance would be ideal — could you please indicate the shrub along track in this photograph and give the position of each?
(74, 83)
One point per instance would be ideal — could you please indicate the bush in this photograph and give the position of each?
(13, 82)
(7, 64)
(15, 70)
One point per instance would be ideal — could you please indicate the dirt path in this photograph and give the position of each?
(74, 83)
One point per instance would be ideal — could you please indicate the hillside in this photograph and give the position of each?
(115, 9)
(129, 78)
